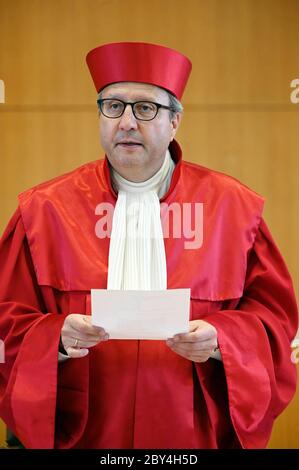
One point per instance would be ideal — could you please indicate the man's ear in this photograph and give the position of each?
(175, 123)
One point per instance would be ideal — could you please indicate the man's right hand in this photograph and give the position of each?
(78, 334)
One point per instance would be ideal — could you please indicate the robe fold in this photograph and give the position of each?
(140, 394)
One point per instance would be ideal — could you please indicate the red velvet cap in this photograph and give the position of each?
(139, 62)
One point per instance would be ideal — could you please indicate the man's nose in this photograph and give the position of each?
(128, 120)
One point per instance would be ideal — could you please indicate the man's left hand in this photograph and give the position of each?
(198, 345)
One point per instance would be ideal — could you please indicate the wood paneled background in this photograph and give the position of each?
(238, 115)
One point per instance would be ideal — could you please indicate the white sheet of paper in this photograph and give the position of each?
(142, 314)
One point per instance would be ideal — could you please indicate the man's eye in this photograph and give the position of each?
(114, 106)
(145, 107)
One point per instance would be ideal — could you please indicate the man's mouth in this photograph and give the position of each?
(129, 143)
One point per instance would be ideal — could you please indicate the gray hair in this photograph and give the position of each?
(175, 105)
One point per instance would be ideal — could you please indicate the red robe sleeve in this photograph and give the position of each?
(254, 339)
(28, 376)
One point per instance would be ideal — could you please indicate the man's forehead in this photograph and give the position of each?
(133, 89)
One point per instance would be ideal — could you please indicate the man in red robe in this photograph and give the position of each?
(64, 383)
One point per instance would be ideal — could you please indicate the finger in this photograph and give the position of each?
(198, 335)
(195, 324)
(88, 329)
(82, 323)
(76, 353)
(184, 349)
(82, 331)
(76, 343)
(191, 347)
(87, 319)
(195, 345)
(203, 357)
(85, 337)
(194, 348)
(81, 341)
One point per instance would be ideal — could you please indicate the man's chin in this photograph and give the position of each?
(124, 158)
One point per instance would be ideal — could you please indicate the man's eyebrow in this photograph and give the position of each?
(117, 96)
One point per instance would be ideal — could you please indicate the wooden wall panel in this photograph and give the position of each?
(238, 116)
(260, 148)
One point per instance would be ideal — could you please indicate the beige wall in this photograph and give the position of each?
(238, 115)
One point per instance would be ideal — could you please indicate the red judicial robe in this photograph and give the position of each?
(140, 394)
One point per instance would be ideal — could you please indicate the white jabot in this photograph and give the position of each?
(137, 253)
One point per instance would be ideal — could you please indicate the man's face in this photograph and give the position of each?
(139, 161)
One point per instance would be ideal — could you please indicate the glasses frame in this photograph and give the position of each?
(132, 104)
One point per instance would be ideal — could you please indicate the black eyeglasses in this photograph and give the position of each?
(142, 110)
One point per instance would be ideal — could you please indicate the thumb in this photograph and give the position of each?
(194, 324)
